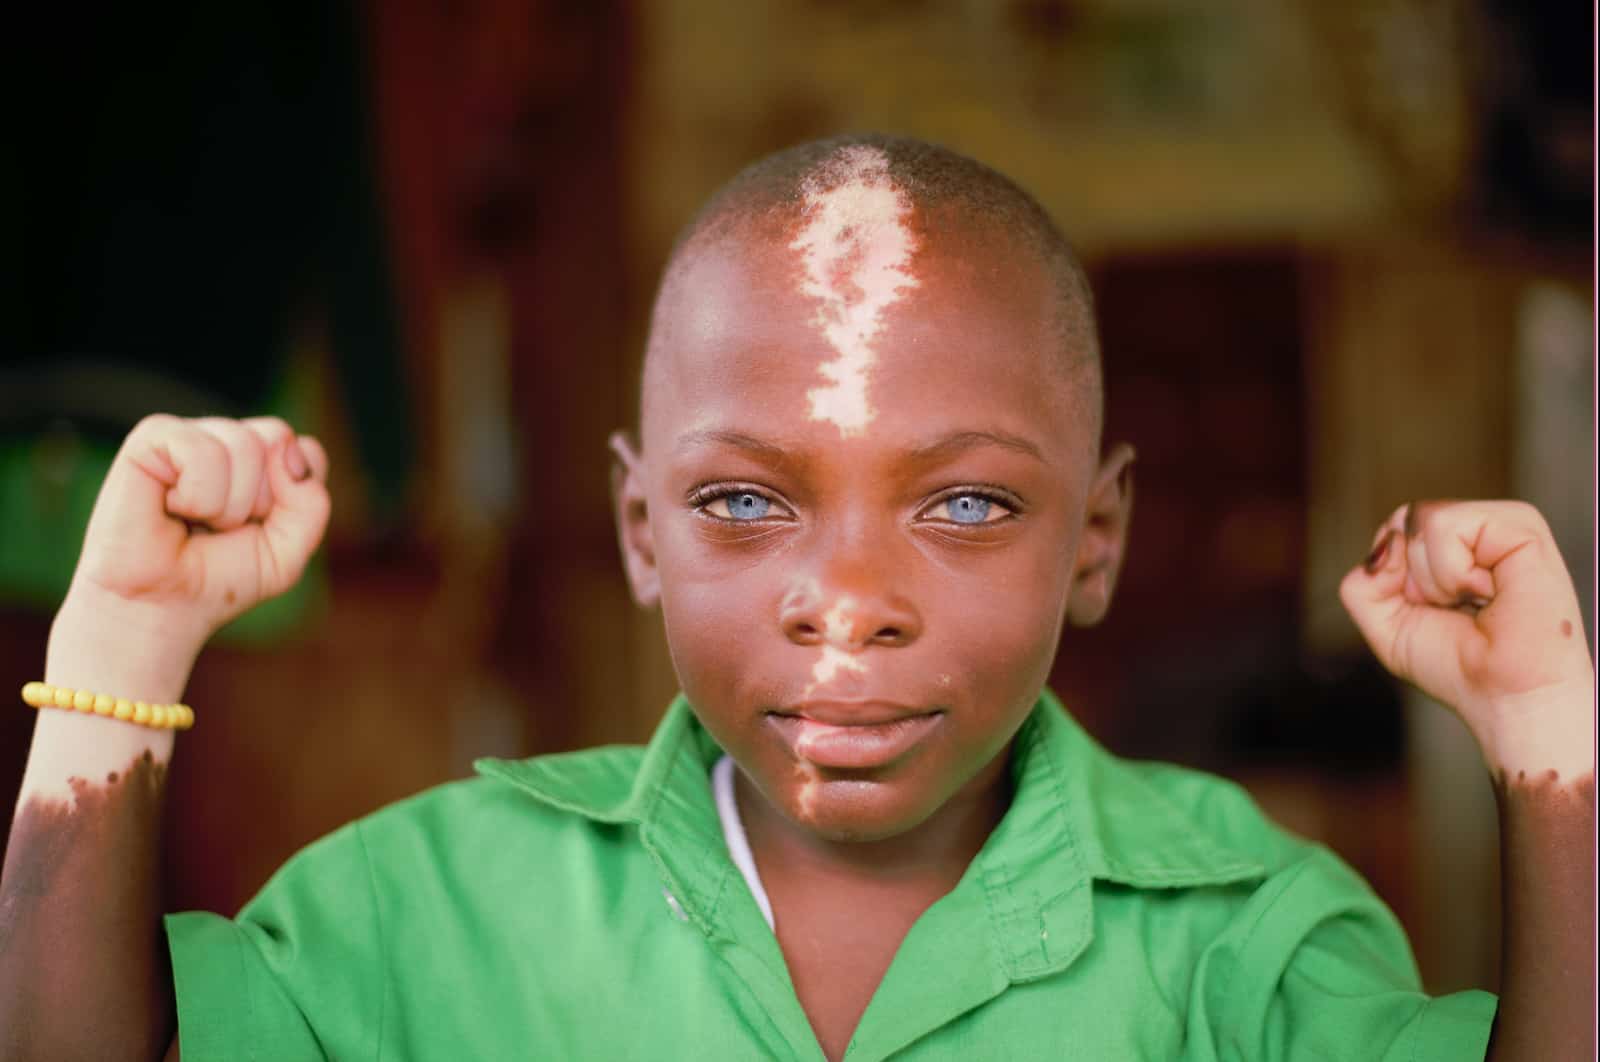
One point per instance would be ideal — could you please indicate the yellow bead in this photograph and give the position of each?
(124, 708)
(158, 716)
(83, 701)
(36, 694)
(104, 703)
(185, 717)
(141, 713)
(63, 697)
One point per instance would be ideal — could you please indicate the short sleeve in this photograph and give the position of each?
(298, 975)
(1318, 967)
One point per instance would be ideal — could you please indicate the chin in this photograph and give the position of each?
(854, 812)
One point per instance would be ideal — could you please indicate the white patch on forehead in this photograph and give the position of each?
(856, 248)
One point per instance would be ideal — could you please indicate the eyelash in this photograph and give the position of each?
(701, 497)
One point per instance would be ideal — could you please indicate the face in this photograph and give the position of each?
(866, 500)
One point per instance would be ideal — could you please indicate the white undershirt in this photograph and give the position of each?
(733, 833)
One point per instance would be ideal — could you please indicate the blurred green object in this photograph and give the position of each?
(51, 469)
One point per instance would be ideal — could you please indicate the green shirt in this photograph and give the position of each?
(583, 906)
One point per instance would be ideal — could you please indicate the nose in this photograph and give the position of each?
(849, 609)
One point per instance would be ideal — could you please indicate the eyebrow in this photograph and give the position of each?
(941, 449)
(737, 439)
(960, 442)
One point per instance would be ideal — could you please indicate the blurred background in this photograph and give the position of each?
(1343, 255)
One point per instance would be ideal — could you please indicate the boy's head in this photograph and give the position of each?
(869, 487)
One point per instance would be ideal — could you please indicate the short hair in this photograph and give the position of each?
(772, 189)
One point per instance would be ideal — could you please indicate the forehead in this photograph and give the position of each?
(958, 324)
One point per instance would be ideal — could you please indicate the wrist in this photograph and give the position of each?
(108, 644)
(1543, 733)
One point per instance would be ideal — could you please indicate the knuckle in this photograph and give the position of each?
(153, 424)
(1527, 512)
(250, 446)
(212, 447)
(240, 448)
(269, 430)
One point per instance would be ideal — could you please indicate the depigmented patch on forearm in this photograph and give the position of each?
(856, 248)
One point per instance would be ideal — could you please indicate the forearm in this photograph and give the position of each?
(83, 964)
(1547, 830)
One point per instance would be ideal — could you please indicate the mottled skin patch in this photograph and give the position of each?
(856, 250)
(806, 799)
(80, 919)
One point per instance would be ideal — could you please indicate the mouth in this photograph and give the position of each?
(853, 735)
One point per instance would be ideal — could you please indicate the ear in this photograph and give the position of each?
(1104, 541)
(633, 521)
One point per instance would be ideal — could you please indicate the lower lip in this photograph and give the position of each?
(825, 745)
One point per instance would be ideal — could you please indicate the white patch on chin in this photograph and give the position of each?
(856, 249)
(807, 797)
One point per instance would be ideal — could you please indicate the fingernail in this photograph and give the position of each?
(295, 461)
(1374, 559)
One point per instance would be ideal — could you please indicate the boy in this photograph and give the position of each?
(868, 492)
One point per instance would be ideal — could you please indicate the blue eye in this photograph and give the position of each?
(968, 508)
(746, 506)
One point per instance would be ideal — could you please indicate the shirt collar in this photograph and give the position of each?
(1078, 814)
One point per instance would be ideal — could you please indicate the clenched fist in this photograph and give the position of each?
(1471, 602)
(198, 520)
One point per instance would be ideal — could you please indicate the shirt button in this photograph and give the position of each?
(677, 908)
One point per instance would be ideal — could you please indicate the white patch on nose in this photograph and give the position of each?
(838, 628)
(837, 625)
(856, 248)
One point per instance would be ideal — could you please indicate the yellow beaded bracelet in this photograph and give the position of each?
(160, 716)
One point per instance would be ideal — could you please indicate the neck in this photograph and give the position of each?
(938, 849)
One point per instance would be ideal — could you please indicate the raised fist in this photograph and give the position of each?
(198, 520)
(1471, 602)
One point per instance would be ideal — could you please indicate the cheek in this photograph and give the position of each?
(717, 629)
(999, 654)
(1001, 611)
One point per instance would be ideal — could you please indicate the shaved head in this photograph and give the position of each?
(828, 189)
(870, 470)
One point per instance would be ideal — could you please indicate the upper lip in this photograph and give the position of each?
(853, 713)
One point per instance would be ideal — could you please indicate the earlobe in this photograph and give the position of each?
(631, 509)
(1103, 544)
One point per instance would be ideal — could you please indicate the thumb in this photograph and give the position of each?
(1416, 642)
(297, 471)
